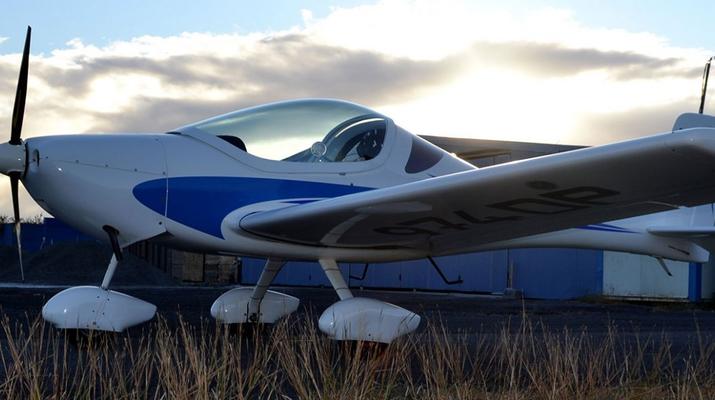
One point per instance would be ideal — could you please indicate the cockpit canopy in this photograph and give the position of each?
(313, 130)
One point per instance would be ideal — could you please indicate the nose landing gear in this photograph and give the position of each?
(97, 307)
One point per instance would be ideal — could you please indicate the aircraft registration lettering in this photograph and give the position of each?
(552, 202)
(558, 201)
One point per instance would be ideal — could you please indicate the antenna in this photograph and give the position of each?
(706, 74)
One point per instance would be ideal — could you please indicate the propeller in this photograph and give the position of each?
(14, 179)
(12, 153)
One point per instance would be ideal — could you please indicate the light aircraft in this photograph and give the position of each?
(333, 181)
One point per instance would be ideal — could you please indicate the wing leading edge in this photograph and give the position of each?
(454, 213)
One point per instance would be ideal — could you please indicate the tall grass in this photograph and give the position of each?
(292, 360)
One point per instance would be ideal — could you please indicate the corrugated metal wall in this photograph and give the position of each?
(707, 286)
(37, 236)
(557, 273)
(540, 273)
(631, 275)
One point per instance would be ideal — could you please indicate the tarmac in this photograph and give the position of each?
(685, 326)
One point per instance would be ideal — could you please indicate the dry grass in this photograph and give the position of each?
(293, 360)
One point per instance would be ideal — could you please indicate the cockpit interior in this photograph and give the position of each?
(312, 130)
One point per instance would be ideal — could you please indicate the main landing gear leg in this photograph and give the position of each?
(332, 271)
(359, 318)
(257, 304)
(98, 308)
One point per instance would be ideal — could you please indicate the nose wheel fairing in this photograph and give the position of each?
(98, 308)
(94, 308)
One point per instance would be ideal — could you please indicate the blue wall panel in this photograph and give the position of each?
(540, 273)
(303, 273)
(251, 270)
(294, 273)
(481, 272)
(38, 236)
(386, 275)
(695, 281)
(557, 273)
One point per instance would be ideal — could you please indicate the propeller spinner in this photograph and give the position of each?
(12, 153)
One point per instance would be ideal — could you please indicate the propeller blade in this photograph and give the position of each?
(14, 180)
(19, 111)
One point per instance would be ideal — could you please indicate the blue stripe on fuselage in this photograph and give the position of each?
(203, 202)
(606, 228)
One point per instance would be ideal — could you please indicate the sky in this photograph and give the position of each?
(568, 72)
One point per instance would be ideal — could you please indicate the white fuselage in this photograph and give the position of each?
(91, 181)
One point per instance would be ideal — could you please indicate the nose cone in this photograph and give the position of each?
(88, 181)
(12, 158)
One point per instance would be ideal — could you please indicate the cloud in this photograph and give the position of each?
(455, 70)
(131, 85)
(6, 84)
(554, 60)
(289, 66)
(293, 66)
(632, 124)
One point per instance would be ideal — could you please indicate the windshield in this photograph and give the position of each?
(302, 131)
